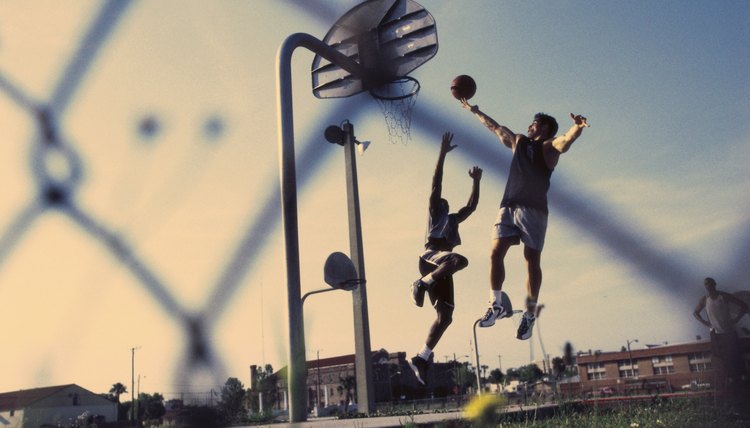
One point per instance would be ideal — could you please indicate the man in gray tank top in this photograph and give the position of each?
(523, 210)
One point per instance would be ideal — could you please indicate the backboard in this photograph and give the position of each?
(389, 38)
(339, 272)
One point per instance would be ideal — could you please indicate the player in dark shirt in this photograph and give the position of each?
(438, 262)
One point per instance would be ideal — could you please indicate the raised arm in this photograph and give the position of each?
(437, 179)
(563, 143)
(476, 175)
(505, 135)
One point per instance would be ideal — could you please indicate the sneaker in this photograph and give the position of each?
(495, 311)
(419, 366)
(417, 292)
(527, 324)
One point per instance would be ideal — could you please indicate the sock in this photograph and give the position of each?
(428, 279)
(425, 353)
(531, 307)
(496, 297)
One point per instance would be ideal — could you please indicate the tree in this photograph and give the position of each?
(530, 373)
(558, 367)
(116, 390)
(150, 406)
(232, 400)
(266, 385)
(496, 376)
(347, 385)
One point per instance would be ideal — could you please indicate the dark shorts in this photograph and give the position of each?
(441, 290)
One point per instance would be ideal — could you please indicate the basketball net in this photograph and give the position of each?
(397, 99)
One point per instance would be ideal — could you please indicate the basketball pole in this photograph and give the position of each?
(297, 373)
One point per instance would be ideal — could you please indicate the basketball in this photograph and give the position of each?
(463, 86)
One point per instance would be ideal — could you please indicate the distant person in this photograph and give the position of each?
(523, 210)
(438, 262)
(724, 340)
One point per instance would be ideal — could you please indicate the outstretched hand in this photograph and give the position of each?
(475, 173)
(446, 146)
(579, 120)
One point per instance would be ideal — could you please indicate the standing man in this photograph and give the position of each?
(523, 209)
(724, 341)
(438, 262)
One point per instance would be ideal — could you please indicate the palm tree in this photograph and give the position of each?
(118, 389)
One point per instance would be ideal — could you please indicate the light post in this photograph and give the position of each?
(344, 136)
(317, 382)
(390, 382)
(630, 356)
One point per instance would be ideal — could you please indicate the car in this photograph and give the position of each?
(606, 391)
(695, 385)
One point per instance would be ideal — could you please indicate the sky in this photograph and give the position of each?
(168, 259)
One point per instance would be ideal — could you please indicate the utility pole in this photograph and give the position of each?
(134, 399)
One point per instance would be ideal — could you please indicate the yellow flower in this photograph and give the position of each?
(483, 409)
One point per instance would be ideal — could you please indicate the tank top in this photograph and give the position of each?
(718, 314)
(528, 178)
(442, 231)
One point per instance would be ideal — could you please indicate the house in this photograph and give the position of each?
(53, 405)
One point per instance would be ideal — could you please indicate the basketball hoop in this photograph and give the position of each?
(397, 99)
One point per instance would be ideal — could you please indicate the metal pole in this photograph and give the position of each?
(132, 386)
(362, 351)
(476, 358)
(317, 385)
(297, 365)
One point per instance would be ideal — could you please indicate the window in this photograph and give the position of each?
(699, 361)
(595, 371)
(662, 365)
(626, 370)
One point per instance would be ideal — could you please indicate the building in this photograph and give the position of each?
(656, 369)
(329, 378)
(53, 406)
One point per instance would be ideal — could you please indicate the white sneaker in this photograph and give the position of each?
(527, 324)
(494, 312)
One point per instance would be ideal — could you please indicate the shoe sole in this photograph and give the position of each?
(490, 324)
(486, 324)
(416, 373)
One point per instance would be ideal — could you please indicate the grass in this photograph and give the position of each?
(656, 414)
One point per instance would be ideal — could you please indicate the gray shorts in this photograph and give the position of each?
(529, 224)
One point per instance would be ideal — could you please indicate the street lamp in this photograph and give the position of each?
(630, 356)
(344, 136)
